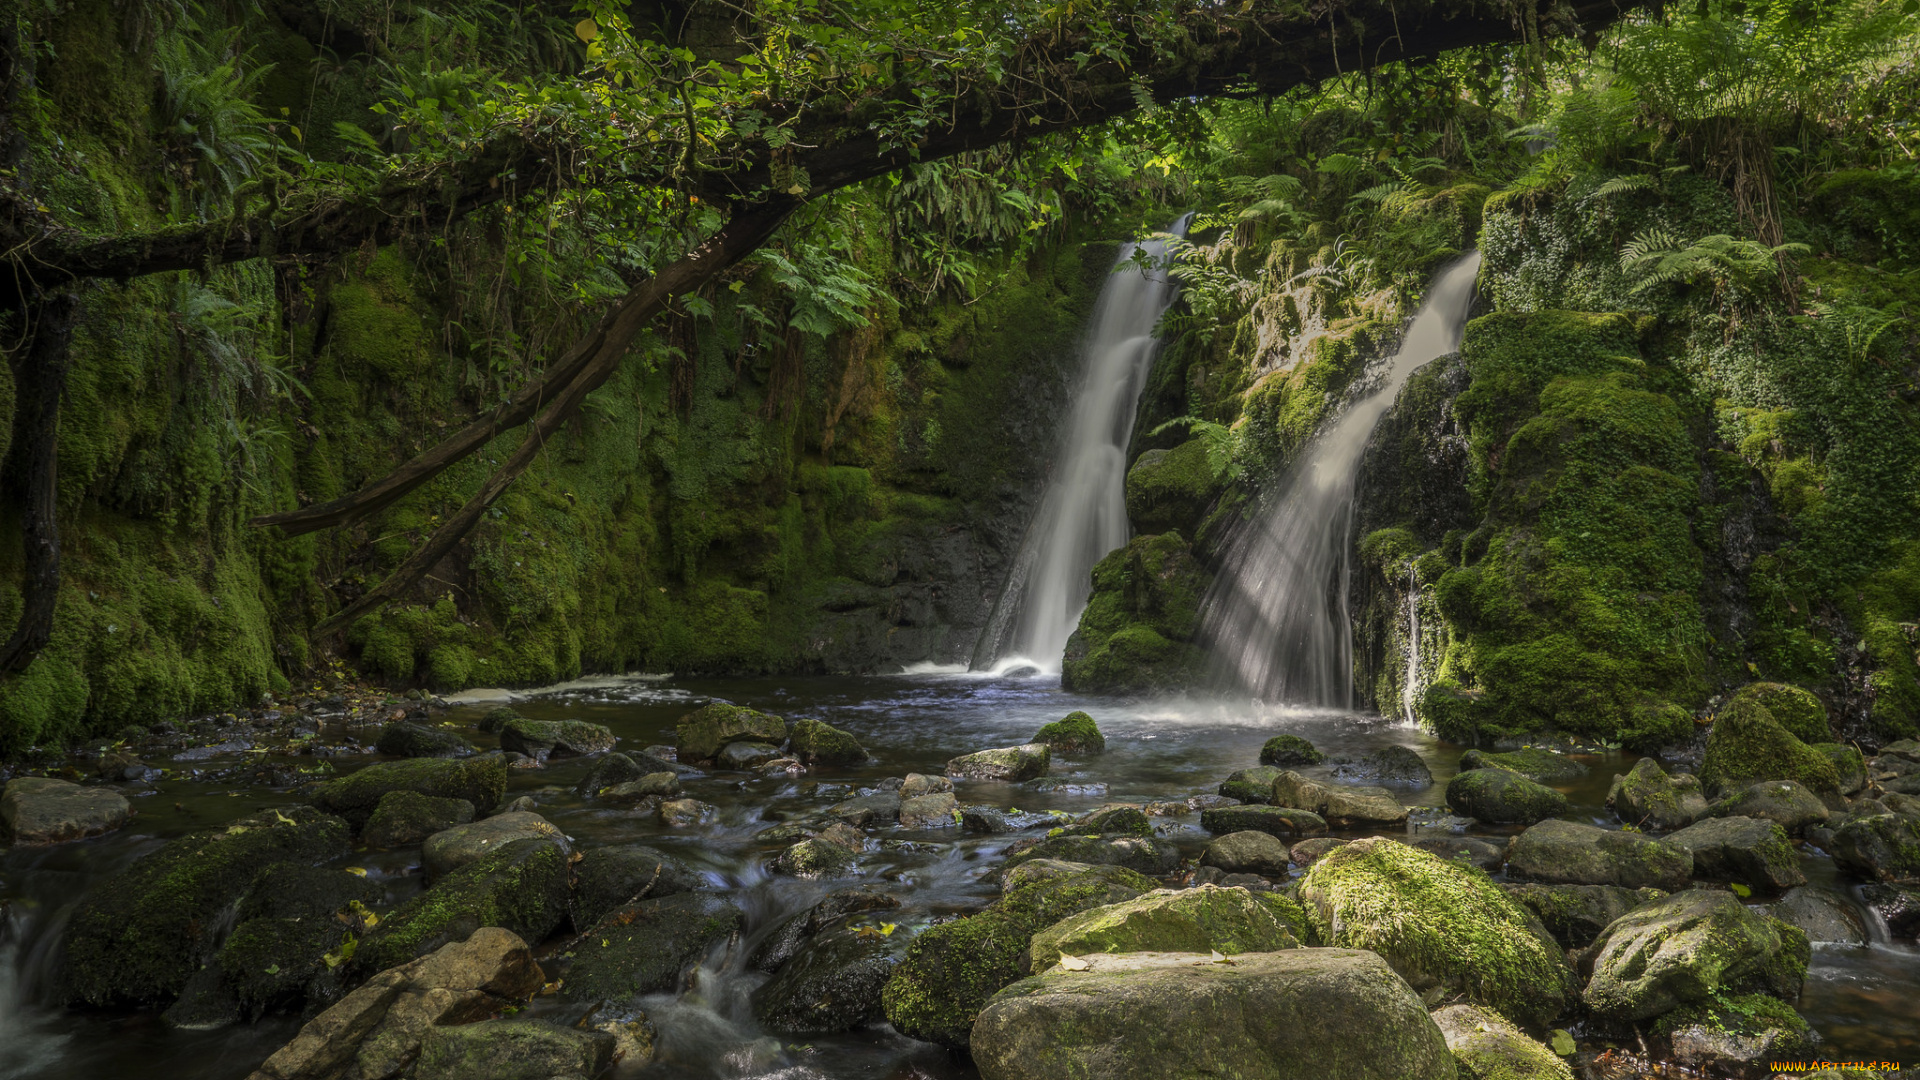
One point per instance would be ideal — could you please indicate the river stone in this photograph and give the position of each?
(918, 784)
(1290, 789)
(1822, 914)
(1647, 798)
(1075, 735)
(1747, 745)
(1251, 785)
(606, 878)
(1500, 797)
(1205, 918)
(868, 811)
(1298, 1014)
(1565, 853)
(1273, 820)
(1363, 807)
(1144, 855)
(816, 743)
(933, 811)
(1797, 710)
(408, 817)
(1783, 802)
(1729, 1036)
(1577, 914)
(447, 851)
(1012, 764)
(643, 948)
(660, 785)
(817, 857)
(1489, 1048)
(743, 755)
(1048, 869)
(1114, 819)
(541, 739)
(684, 813)
(833, 981)
(704, 731)
(42, 810)
(1883, 847)
(985, 819)
(614, 769)
(1848, 764)
(1480, 853)
(512, 1050)
(1746, 850)
(137, 936)
(1441, 924)
(1689, 947)
(950, 970)
(402, 739)
(1389, 765)
(786, 939)
(522, 886)
(1897, 906)
(481, 781)
(1306, 852)
(292, 917)
(1284, 750)
(1250, 851)
(1538, 765)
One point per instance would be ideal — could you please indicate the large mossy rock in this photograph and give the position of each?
(1171, 489)
(1206, 918)
(521, 887)
(1731, 1034)
(1010, 764)
(1250, 785)
(1287, 750)
(541, 739)
(1300, 1014)
(139, 935)
(1251, 851)
(409, 740)
(513, 1050)
(1747, 745)
(1791, 707)
(1690, 947)
(1074, 734)
(1783, 802)
(1502, 797)
(1489, 1048)
(832, 982)
(291, 919)
(1280, 821)
(1538, 765)
(643, 948)
(818, 743)
(43, 810)
(1577, 914)
(1882, 847)
(408, 817)
(1745, 850)
(1646, 797)
(1140, 854)
(702, 732)
(481, 781)
(609, 877)
(1566, 853)
(1136, 633)
(451, 849)
(950, 970)
(1441, 924)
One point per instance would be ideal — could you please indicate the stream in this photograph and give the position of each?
(1860, 999)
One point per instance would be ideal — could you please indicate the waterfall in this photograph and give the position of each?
(1083, 514)
(1276, 619)
(1407, 695)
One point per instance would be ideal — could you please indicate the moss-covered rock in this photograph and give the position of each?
(403, 739)
(1848, 764)
(1646, 797)
(609, 877)
(1501, 797)
(1290, 789)
(1288, 750)
(1567, 853)
(140, 934)
(1250, 785)
(1883, 847)
(541, 739)
(1074, 734)
(1791, 707)
(1144, 855)
(1688, 948)
(1249, 852)
(1279, 821)
(1733, 1032)
(1117, 819)
(293, 917)
(642, 948)
(1747, 745)
(1441, 924)
(1137, 632)
(1538, 765)
(1748, 851)
(512, 1050)
(832, 982)
(704, 731)
(1783, 802)
(1489, 1048)
(1171, 489)
(408, 817)
(1201, 919)
(1577, 914)
(817, 743)
(521, 887)
(1010, 764)
(453, 848)
(480, 781)
(616, 768)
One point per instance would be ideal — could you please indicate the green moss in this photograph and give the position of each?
(1137, 630)
(480, 781)
(1170, 489)
(1747, 745)
(1285, 750)
(1792, 708)
(1072, 734)
(1204, 919)
(522, 886)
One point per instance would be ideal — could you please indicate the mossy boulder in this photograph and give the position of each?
(1290, 789)
(1143, 855)
(1791, 707)
(1249, 852)
(950, 970)
(1489, 1048)
(832, 982)
(1074, 734)
(643, 948)
(1747, 745)
(616, 768)
(1567, 853)
(1117, 819)
(1783, 802)
(139, 935)
(1387, 765)
(1848, 764)
(817, 858)
(1171, 489)
(404, 739)
(1537, 765)
(704, 731)
(498, 718)
(1011, 764)
(1748, 851)
(453, 848)
(1280, 821)
(1285, 750)
(291, 919)
(1250, 785)
(1577, 914)
(481, 781)
(408, 817)
(1363, 807)
(1691, 947)
(1443, 925)
(1205, 918)
(1881, 847)
(1646, 797)
(541, 739)
(609, 877)
(1733, 1032)
(1136, 633)
(521, 887)
(1500, 797)
(512, 1050)
(817, 743)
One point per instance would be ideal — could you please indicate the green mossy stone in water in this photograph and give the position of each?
(512, 1050)
(1783, 802)
(1143, 855)
(555, 738)
(608, 877)
(269, 964)
(1442, 924)
(1120, 820)
(1489, 1048)
(1290, 789)
(1791, 707)
(1577, 914)
(1249, 852)
(140, 934)
(1746, 745)
(1284, 750)
(1568, 853)
(642, 948)
(402, 739)
(1848, 764)
(1280, 821)
(1500, 797)
(1744, 850)
(1074, 734)
(1691, 947)
(521, 887)
(1011, 764)
(1733, 1032)
(1647, 798)
(1033, 870)
(1363, 807)
(408, 817)
(480, 781)
(1251, 785)
(1537, 765)
(832, 983)
(815, 743)
(1201, 919)
(1136, 634)
(497, 719)
(1883, 847)
(704, 731)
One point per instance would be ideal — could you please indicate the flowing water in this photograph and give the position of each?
(1083, 514)
(1276, 619)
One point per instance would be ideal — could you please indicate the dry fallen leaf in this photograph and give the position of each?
(1073, 963)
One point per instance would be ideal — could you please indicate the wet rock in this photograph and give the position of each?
(1783, 802)
(1286, 750)
(1688, 947)
(1292, 790)
(984, 819)
(1498, 796)
(868, 811)
(1746, 850)
(786, 939)
(1117, 819)
(1249, 852)
(817, 743)
(1075, 735)
(647, 946)
(481, 781)
(1091, 789)
(375, 1032)
(1206, 918)
(704, 731)
(1647, 797)
(1565, 853)
(1251, 785)
(1577, 914)
(42, 810)
(1442, 926)
(1273, 820)
(1897, 906)
(1011, 764)
(1735, 1033)
(832, 983)
(513, 1050)
(610, 877)
(1747, 745)
(1289, 1015)
(1882, 847)
(1822, 914)
(1155, 858)
(402, 739)
(615, 769)
(918, 784)
(816, 858)
(522, 805)
(1391, 765)
(1537, 765)
(1033, 870)
(498, 718)
(1848, 764)
(1210, 802)
(1465, 849)
(681, 813)
(745, 755)
(1306, 852)
(408, 817)
(292, 918)
(541, 739)
(447, 851)
(660, 785)
(935, 811)
(1363, 807)
(521, 886)
(139, 935)
(1489, 1048)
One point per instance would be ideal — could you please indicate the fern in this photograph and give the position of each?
(1656, 257)
(1222, 444)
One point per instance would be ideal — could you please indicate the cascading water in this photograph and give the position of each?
(1083, 514)
(1276, 619)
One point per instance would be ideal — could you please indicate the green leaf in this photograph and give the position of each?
(1562, 1042)
(1740, 890)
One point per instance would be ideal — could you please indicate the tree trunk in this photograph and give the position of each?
(43, 380)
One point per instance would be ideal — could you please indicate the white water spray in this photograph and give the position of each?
(1276, 619)
(1083, 514)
